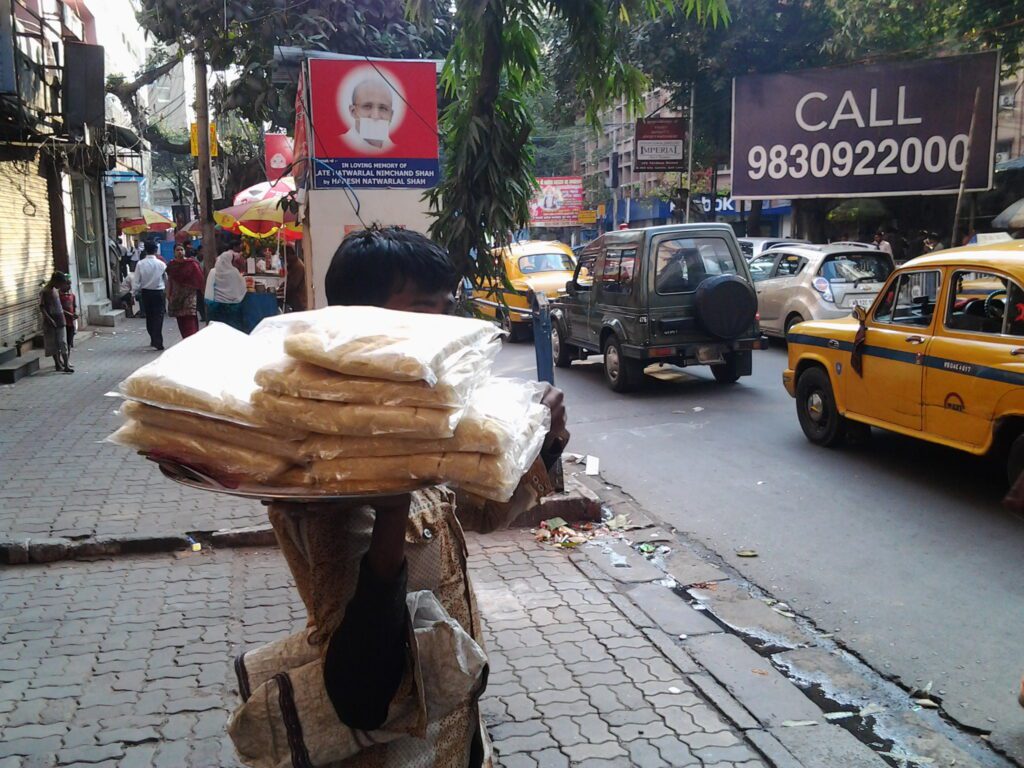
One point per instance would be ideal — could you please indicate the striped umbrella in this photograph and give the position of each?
(266, 190)
(260, 218)
(151, 221)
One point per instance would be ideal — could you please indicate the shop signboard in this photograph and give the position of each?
(587, 217)
(659, 145)
(886, 129)
(558, 202)
(374, 124)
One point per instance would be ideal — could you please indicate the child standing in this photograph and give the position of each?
(70, 305)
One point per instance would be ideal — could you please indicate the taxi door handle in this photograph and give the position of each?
(915, 339)
(833, 343)
(1016, 351)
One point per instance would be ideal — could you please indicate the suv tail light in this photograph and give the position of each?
(822, 286)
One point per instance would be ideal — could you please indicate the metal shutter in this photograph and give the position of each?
(26, 247)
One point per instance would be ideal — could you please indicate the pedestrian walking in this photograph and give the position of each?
(55, 339)
(348, 689)
(149, 282)
(225, 289)
(184, 279)
(881, 243)
(70, 305)
(295, 282)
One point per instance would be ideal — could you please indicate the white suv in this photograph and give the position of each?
(815, 282)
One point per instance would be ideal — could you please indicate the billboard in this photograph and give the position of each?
(658, 145)
(558, 202)
(374, 123)
(885, 129)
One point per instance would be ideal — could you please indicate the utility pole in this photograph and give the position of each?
(953, 237)
(205, 190)
(689, 158)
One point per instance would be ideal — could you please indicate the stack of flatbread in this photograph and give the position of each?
(340, 400)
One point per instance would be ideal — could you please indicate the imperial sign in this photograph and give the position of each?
(887, 129)
(658, 146)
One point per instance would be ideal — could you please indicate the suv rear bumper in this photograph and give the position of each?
(689, 353)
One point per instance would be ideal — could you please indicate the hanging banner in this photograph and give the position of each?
(374, 124)
(867, 131)
(558, 202)
(193, 138)
(658, 145)
(279, 154)
(300, 147)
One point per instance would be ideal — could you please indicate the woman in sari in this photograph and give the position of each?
(184, 278)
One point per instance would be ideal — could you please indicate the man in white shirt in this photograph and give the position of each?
(882, 244)
(148, 279)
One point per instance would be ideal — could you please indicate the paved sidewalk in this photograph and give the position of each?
(126, 662)
(57, 477)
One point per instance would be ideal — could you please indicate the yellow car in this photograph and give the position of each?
(537, 265)
(939, 356)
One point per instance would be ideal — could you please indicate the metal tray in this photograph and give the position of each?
(194, 478)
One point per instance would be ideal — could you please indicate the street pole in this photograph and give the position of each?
(205, 190)
(963, 174)
(689, 157)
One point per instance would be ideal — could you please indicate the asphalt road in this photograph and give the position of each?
(898, 546)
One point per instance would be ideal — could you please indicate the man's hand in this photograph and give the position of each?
(558, 435)
(387, 545)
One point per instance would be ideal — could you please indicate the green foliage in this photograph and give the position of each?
(491, 73)
(868, 29)
(764, 36)
(241, 35)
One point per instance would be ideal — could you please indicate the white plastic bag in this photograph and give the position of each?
(385, 344)
(211, 373)
(298, 379)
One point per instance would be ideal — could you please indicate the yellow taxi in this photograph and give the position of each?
(939, 356)
(542, 266)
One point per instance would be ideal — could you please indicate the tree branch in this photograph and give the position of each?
(146, 78)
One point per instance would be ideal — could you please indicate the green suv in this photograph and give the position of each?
(679, 294)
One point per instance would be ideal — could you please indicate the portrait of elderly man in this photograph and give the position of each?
(372, 111)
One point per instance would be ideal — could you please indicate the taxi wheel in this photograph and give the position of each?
(816, 408)
(1015, 460)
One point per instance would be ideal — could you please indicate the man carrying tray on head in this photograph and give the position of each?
(381, 676)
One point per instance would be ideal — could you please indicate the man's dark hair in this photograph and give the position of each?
(149, 247)
(372, 265)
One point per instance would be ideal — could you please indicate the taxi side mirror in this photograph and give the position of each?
(861, 314)
(570, 287)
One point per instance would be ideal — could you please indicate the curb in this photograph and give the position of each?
(577, 503)
(50, 550)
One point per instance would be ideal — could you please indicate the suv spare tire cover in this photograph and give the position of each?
(726, 306)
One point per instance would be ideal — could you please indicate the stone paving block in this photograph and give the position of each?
(724, 702)
(827, 744)
(687, 568)
(619, 561)
(752, 680)
(670, 612)
(734, 606)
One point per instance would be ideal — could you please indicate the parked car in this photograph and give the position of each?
(677, 294)
(755, 246)
(940, 357)
(815, 282)
(542, 266)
